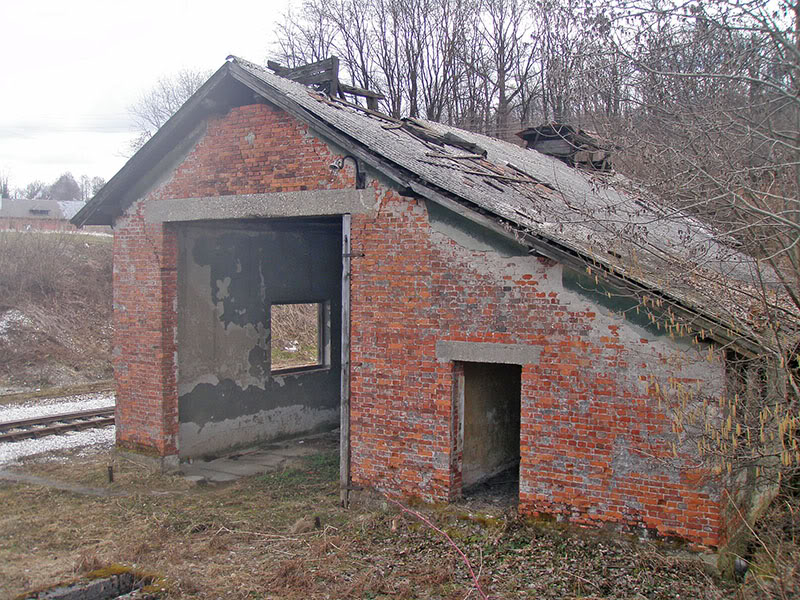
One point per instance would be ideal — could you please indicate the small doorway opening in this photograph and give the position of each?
(491, 430)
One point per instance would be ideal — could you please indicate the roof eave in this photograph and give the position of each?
(716, 329)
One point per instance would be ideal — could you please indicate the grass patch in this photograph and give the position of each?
(318, 473)
(325, 465)
(294, 335)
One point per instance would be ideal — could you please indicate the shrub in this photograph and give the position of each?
(42, 268)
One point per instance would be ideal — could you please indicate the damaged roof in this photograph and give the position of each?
(598, 222)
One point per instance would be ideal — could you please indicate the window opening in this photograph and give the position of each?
(299, 336)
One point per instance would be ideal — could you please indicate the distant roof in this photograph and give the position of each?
(598, 222)
(39, 209)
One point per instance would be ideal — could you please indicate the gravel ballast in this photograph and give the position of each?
(91, 439)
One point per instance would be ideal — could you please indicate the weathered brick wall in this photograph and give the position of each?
(596, 449)
(401, 416)
(252, 149)
(145, 281)
(256, 149)
(596, 443)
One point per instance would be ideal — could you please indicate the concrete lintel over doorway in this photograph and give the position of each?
(258, 206)
(513, 354)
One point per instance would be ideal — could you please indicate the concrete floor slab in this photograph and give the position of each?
(258, 460)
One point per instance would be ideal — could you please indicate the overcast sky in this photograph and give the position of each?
(70, 69)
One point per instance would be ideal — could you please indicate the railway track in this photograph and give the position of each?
(12, 431)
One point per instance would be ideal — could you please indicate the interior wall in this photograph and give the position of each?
(228, 275)
(491, 420)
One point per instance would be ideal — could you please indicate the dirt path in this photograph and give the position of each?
(15, 477)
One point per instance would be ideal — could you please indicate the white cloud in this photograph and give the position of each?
(71, 69)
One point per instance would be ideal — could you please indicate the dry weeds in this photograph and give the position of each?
(235, 541)
(294, 335)
(59, 289)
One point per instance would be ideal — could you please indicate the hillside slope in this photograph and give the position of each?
(55, 309)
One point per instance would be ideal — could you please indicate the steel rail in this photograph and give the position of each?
(53, 424)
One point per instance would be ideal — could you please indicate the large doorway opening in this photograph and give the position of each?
(491, 430)
(260, 330)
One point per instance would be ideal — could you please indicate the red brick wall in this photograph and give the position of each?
(145, 281)
(253, 149)
(611, 462)
(401, 416)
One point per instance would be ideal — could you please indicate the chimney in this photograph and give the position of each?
(324, 76)
(573, 146)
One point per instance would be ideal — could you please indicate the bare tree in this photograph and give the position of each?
(455, 33)
(410, 50)
(304, 39)
(354, 46)
(86, 189)
(718, 101)
(5, 190)
(35, 189)
(158, 104)
(487, 65)
(712, 126)
(509, 69)
(386, 32)
(96, 184)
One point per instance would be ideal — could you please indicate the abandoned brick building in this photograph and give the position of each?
(477, 305)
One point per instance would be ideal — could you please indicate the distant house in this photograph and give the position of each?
(475, 306)
(23, 214)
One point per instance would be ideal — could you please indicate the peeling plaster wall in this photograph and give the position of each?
(596, 442)
(228, 275)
